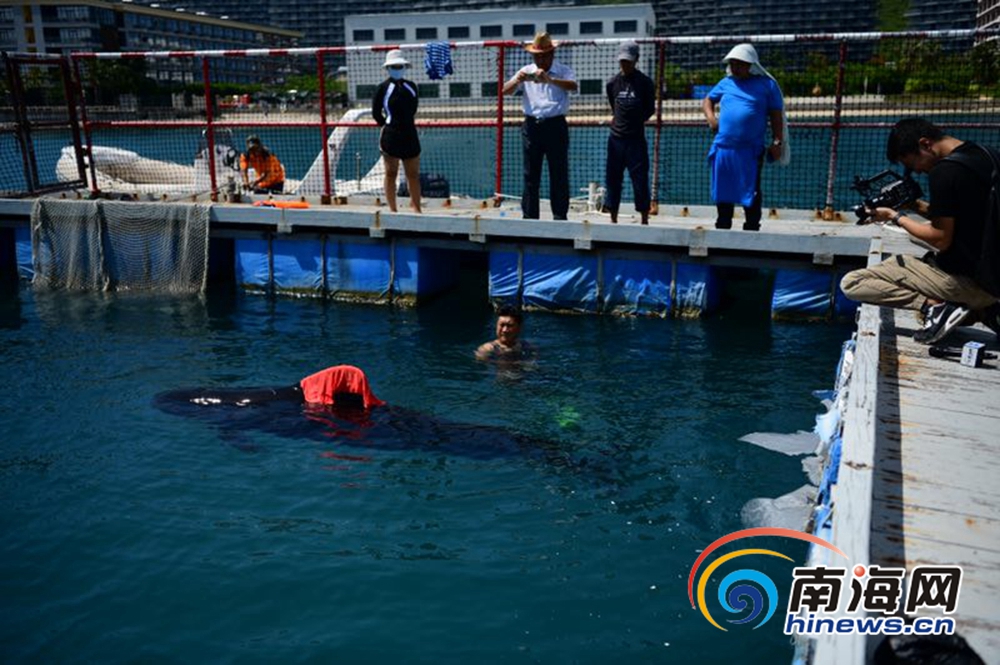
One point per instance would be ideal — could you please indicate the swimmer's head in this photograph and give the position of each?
(509, 321)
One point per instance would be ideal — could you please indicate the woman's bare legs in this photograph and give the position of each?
(391, 172)
(412, 168)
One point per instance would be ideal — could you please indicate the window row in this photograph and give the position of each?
(464, 90)
(142, 42)
(190, 27)
(71, 35)
(527, 30)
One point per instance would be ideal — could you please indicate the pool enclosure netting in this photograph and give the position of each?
(119, 246)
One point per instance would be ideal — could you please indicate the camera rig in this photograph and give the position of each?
(887, 189)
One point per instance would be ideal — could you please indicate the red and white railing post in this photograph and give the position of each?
(499, 168)
(209, 129)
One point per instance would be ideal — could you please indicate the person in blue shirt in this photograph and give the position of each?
(748, 99)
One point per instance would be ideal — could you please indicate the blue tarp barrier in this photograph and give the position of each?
(560, 282)
(637, 287)
(801, 293)
(358, 268)
(843, 307)
(503, 276)
(697, 291)
(298, 265)
(628, 286)
(22, 249)
(252, 270)
(352, 268)
(406, 281)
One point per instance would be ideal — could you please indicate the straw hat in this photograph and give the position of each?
(542, 43)
(395, 58)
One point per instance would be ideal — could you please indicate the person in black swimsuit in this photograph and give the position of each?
(394, 107)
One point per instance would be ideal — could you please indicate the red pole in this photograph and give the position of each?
(655, 203)
(71, 90)
(831, 173)
(500, 81)
(326, 199)
(94, 189)
(209, 131)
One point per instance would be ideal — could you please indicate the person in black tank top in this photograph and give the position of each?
(394, 108)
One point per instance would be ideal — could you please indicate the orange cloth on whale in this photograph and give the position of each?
(322, 387)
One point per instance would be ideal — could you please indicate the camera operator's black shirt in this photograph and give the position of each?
(958, 193)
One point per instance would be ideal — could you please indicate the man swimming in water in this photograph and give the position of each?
(506, 346)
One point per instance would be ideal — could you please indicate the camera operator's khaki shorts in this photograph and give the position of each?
(907, 282)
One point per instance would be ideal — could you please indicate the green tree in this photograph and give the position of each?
(892, 15)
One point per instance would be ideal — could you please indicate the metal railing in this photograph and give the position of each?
(842, 92)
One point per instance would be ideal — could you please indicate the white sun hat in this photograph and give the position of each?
(395, 58)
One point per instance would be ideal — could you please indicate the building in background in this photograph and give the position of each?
(738, 17)
(66, 26)
(321, 22)
(988, 16)
(479, 80)
(941, 15)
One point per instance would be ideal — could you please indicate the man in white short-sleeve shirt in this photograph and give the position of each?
(546, 85)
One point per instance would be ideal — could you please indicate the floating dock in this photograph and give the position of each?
(915, 482)
(585, 264)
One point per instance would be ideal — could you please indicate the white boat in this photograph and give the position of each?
(124, 171)
(371, 183)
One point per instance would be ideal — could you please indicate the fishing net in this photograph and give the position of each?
(119, 246)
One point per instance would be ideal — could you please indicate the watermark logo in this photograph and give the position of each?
(815, 602)
(736, 593)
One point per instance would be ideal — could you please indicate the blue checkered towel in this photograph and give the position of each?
(437, 61)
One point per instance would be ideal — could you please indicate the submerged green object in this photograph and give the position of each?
(568, 417)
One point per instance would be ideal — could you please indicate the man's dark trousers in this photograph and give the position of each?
(548, 138)
(630, 153)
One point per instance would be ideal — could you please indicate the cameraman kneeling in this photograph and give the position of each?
(940, 284)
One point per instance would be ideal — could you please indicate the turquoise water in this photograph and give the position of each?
(134, 535)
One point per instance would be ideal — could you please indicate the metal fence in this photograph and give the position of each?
(36, 108)
(157, 136)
